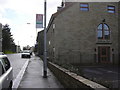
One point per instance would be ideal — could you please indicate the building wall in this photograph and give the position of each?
(119, 29)
(0, 37)
(40, 42)
(75, 33)
(51, 42)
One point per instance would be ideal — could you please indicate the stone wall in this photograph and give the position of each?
(40, 41)
(72, 80)
(119, 28)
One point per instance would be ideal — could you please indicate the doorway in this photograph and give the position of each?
(104, 54)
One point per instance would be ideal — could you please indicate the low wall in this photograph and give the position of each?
(72, 80)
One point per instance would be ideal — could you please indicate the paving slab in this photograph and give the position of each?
(33, 77)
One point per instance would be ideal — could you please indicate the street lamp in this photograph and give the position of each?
(1, 37)
(45, 50)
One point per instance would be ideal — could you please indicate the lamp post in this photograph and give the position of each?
(45, 50)
(1, 37)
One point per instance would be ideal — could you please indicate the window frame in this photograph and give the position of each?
(103, 32)
(84, 7)
(110, 10)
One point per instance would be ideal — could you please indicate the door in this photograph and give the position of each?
(104, 54)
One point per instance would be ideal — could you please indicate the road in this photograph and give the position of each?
(17, 63)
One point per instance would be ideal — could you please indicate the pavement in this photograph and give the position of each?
(33, 76)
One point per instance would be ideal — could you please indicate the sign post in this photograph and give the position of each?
(39, 24)
(45, 51)
(39, 20)
(0, 37)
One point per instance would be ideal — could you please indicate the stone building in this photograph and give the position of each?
(85, 33)
(40, 43)
(0, 37)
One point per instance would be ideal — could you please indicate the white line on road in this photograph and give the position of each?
(18, 79)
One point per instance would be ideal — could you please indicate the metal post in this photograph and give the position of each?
(45, 51)
(1, 37)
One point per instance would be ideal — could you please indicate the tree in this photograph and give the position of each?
(8, 41)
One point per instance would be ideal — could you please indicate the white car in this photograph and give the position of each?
(26, 54)
(6, 73)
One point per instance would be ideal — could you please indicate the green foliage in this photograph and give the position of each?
(8, 52)
(8, 41)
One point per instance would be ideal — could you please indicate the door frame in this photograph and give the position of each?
(108, 55)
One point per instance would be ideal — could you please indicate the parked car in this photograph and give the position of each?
(30, 52)
(6, 73)
(26, 54)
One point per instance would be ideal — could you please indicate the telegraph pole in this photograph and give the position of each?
(45, 50)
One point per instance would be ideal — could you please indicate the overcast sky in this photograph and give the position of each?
(17, 13)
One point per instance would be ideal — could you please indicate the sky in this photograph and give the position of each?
(18, 13)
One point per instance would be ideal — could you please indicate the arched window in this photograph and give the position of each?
(103, 31)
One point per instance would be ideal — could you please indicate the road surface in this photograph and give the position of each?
(17, 63)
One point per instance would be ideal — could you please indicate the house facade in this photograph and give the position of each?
(0, 37)
(40, 43)
(85, 33)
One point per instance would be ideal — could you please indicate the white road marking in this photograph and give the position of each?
(18, 79)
